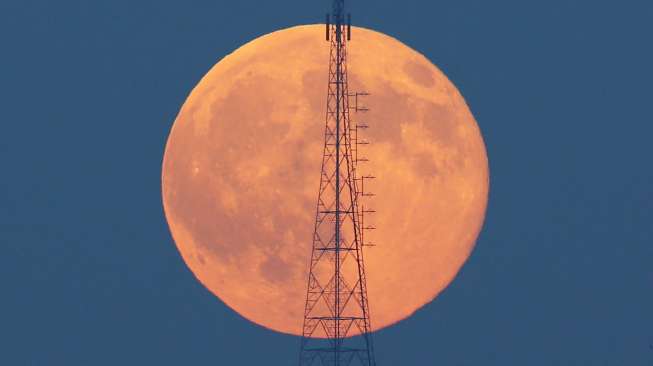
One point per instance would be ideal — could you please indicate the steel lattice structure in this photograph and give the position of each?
(337, 329)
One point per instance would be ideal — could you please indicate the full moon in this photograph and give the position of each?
(241, 172)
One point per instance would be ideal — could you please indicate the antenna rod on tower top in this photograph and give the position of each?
(338, 12)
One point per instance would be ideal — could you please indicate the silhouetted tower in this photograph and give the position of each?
(337, 330)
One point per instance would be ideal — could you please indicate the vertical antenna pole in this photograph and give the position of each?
(349, 27)
(328, 26)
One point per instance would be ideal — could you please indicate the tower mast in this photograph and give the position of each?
(337, 330)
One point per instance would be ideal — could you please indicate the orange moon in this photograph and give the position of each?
(241, 173)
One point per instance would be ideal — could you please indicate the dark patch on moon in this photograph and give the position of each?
(419, 73)
(425, 165)
(388, 110)
(275, 269)
(441, 122)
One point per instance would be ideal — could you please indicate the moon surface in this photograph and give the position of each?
(241, 174)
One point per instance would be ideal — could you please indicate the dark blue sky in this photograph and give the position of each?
(563, 270)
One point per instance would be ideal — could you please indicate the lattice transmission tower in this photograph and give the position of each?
(337, 329)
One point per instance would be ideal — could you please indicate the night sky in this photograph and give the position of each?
(562, 273)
